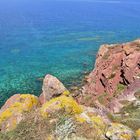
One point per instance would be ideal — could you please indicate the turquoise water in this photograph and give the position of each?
(59, 38)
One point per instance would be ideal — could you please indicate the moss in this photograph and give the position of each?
(62, 102)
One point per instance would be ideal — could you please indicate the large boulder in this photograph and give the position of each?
(12, 111)
(52, 87)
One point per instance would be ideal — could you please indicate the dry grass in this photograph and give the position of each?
(58, 125)
(32, 127)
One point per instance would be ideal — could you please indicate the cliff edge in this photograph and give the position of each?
(116, 76)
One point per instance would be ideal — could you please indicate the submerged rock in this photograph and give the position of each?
(12, 111)
(52, 87)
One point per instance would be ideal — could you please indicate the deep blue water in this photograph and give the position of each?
(58, 37)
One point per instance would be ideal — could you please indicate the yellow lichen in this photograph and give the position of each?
(138, 133)
(98, 120)
(66, 92)
(63, 102)
(6, 114)
(25, 103)
(126, 137)
(80, 119)
(98, 123)
(29, 101)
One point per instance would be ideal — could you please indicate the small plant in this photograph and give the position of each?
(120, 89)
(102, 98)
(111, 76)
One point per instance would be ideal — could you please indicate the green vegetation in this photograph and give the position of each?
(102, 98)
(120, 87)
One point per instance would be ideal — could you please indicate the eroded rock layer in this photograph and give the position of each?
(116, 70)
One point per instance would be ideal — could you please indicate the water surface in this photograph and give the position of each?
(60, 38)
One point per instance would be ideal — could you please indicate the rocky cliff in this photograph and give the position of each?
(116, 76)
(108, 108)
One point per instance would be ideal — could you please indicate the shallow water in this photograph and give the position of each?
(59, 38)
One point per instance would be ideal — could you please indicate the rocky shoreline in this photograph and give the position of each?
(106, 107)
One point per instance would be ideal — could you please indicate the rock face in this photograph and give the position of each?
(52, 87)
(116, 68)
(12, 111)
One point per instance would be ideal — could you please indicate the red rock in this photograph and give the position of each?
(117, 66)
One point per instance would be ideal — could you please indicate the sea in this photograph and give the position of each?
(58, 37)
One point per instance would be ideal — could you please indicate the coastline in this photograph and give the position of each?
(107, 102)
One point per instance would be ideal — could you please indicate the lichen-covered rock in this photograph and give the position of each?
(94, 123)
(68, 104)
(118, 131)
(12, 112)
(52, 87)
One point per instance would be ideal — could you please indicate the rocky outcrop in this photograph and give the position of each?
(52, 87)
(116, 69)
(12, 111)
(59, 118)
(62, 103)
